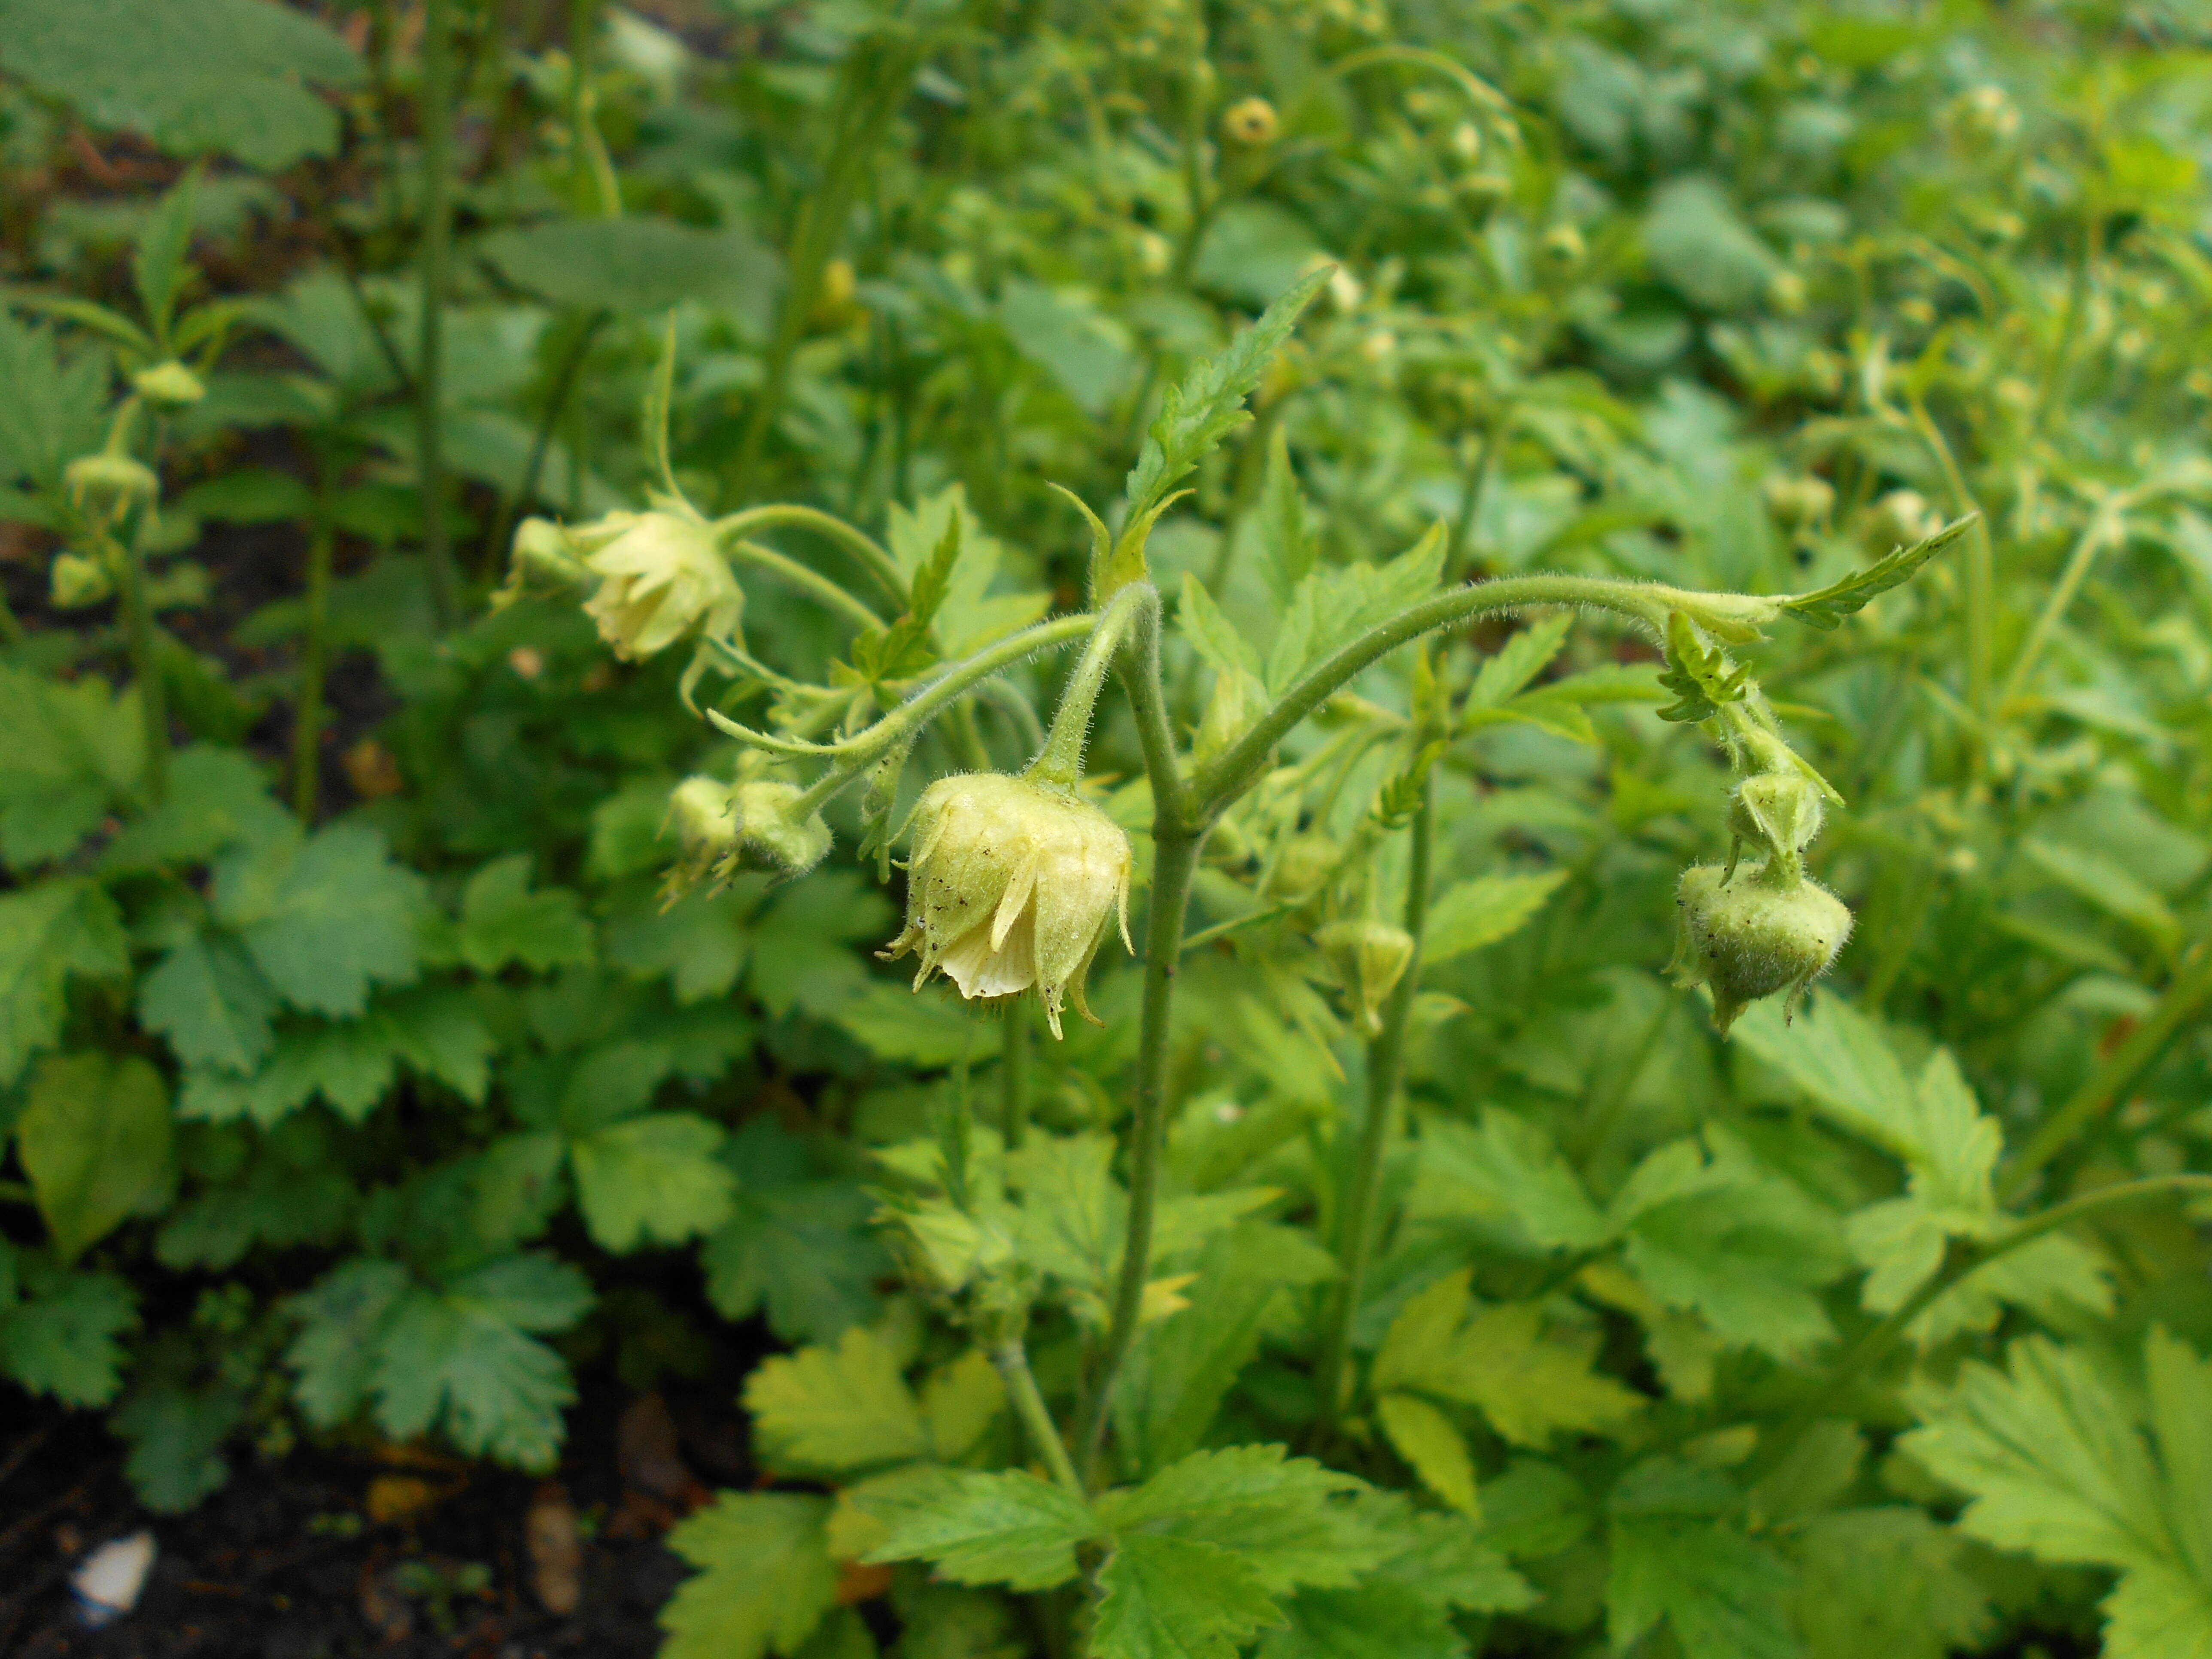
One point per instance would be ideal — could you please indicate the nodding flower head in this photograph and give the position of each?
(1763, 931)
(1012, 884)
(1370, 958)
(754, 825)
(660, 576)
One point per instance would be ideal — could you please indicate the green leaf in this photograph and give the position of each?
(802, 955)
(1181, 1370)
(194, 75)
(60, 1339)
(700, 943)
(801, 1244)
(765, 1577)
(1697, 242)
(1745, 1247)
(56, 408)
(348, 1064)
(1211, 635)
(176, 1436)
(1337, 603)
(1178, 1598)
(1700, 676)
(324, 917)
(1284, 534)
(1197, 414)
(218, 799)
(158, 261)
(1508, 1168)
(95, 1140)
(1725, 1595)
(1008, 1529)
(2062, 1461)
(1497, 1359)
(1064, 334)
(460, 1357)
(895, 1024)
(1403, 1608)
(653, 1179)
(1888, 1582)
(960, 1402)
(1279, 1516)
(48, 932)
(211, 1002)
(73, 752)
(1518, 661)
(503, 921)
(1825, 608)
(835, 1408)
(638, 264)
(1432, 1448)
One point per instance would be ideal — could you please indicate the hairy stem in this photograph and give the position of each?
(437, 117)
(1175, 861)
(1060, 762)
(1013, 1363)
(873, 557)
(145, 644)
(1360, 1188)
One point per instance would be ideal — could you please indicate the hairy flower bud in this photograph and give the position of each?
(773, 834)
(1369, 958)
(704, 814)
(168, 385)
(76, 581)
(1748, 939)
(1012, 884)
(660, 576)
(1778, 812)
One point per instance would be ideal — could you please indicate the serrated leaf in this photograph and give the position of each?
(74, 751)
(194, 75)
(1724, 1595)
(503, 921)
(1889, 1582)
(324, 918)
(1008, 1529)
(765, 1577)
(802, 1246)
(212, 1004)
(655, 1179)
(835, 1408)
(1519, 660)
(1508, 1168)
(218, 799)
(62, 1337)
(157, 261)
(1278, 1515)
(960, 1402)
(1472, 914)
(48, 932)
(1700, 676)
(1211, 634)
(1177, 1598)
(2053, 1453)
(638, 264)
(1825, 608)
(1403, 1608)
(94, 1138)
(56, 405)
(1432, 1448)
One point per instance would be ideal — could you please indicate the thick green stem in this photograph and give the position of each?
(308, 709)
(1963, 1257)
(1014, 1078)
(1175, 861)
(436, 256)
(1222, 780)
(1360, 1180)
(1061, 761)
(146, 663)
(2185, 997)
(1013, 1363)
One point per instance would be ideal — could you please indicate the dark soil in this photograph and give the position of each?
(285, 1563)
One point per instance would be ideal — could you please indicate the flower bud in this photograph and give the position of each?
(169, 386)
(660, 576)
(1307, 861)
(1796, 501)
(772, 833)
(1012, 884)
(1369, 958)
(106, 484)
(543, 551)
(1778, 812)
(704, 814)
(76, 582)
(1749, 937)
(1564, 246)
(1250, 122)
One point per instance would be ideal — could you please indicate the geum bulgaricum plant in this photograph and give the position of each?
(1013, 884)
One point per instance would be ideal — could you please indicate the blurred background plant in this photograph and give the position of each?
(362, 1090)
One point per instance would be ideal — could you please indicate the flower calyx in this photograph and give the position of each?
(725, 829)
(1369, 958)
(1012, 884)
(660, 577)
(1748, 936)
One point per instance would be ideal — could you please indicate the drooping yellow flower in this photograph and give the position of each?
(660, 576)
(1012, 884)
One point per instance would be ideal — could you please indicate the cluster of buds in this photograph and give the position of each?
(1013, 884)
(756, 823)
(1747, 934)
